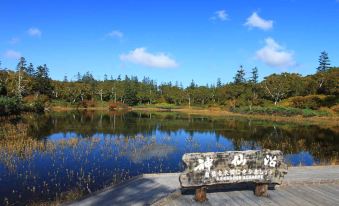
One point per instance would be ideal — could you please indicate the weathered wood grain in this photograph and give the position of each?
(285, 196)
(259, 166)
(261, 190)
(200, 194)
(163, 189)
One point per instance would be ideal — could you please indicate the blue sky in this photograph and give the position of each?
(169, 40)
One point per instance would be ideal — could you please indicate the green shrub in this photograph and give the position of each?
(117, 106)
(166, 106)
(33, 103)
(330, 101)
(335, 108)
(307, 102)
(312, 113)
(10, 106)
(284, 111)
(312, 101)
(38, 107)
(88, 103)
(309, 113)
(3, 90)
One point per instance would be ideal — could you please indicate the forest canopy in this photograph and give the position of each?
(33, 86)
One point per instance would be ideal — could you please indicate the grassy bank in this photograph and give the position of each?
(323, 116)
(303, 116)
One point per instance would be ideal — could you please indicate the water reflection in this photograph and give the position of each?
(58, 152)
(321, 143)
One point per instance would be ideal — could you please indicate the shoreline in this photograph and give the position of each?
(331, 121)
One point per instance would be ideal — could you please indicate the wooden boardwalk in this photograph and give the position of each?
(308, 195)
(317, 185)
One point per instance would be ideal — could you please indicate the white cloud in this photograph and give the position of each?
(275, 55)
(11, 54)
(220, 15)
(142, 57)
(116, 34)
(256, 21)
(34, 32)
(14, 40)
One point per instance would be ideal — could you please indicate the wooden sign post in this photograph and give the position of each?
(262, 167)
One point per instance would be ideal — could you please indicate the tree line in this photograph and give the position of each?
(33, 84)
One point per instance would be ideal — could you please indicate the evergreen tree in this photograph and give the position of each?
(30, 70)
(192, 85)
(130, 95)
(105, 77)
(324, 62)
(3, 89)
(42, 83)
(45, 71)
(176, 83)
(254, 78)
(134, 79)
(22, 64)
(65, 78)
(219, 84)
(181, 86)
(78, 77)
(240, 76)
(88, 77)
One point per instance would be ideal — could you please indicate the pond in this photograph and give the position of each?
(61, 156)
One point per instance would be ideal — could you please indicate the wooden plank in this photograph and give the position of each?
(261, 201)
(298, 198)
(234, 196)
(291, 196)
(318, 189)
(285, 198)
(309, 195)
(279, 198)
(333, 192)
(333, 188)
(160, 185)
(249, 200)
(218, 199)
(312, 175)
(186, 200)
(226, 196)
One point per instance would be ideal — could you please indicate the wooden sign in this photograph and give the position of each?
(258, 166)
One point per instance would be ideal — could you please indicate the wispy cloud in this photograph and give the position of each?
(142, 57)
(275, 55)
(256, 21)
(14, 40)
(116, 34)
(11, 54)
(220, 15)
(34, 32)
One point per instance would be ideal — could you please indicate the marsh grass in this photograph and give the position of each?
(16, 145)
(72, 167)
(51, 171)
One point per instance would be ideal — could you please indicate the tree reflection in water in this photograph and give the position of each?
(59, 152)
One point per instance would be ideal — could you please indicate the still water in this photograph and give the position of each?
(51, 157)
